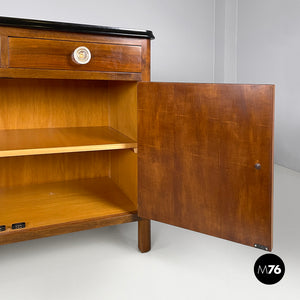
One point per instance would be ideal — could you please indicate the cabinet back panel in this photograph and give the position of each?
(39, 103)
(23, 170)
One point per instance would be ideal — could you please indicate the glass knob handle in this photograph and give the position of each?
(81, 55)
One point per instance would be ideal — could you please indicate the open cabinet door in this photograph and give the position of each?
(205, 158)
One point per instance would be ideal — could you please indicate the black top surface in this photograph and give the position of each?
(73, 27)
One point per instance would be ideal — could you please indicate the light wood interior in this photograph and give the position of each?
(35, 169)
(124, 163)
(62, 202)
(50, 103)
(44, 126)
(16, 142)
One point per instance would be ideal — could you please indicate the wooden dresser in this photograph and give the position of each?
(86, 140)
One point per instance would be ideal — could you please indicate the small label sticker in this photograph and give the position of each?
(18, 225)
(2, 228)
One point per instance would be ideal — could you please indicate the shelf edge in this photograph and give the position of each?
(72, 149)
(25, 234)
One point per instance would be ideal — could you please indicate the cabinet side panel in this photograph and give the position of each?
(146, 58)
(124, 172)
(123, 107)
(123, 117)
(205, 158)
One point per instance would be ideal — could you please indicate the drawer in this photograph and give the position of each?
(57, 55)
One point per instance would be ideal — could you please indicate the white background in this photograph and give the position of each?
(244, 41)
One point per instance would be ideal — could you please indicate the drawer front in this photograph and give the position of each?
(57, 55)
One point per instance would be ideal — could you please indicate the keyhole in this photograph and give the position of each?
(257, 166)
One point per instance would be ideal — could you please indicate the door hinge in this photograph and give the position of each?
(262, 247)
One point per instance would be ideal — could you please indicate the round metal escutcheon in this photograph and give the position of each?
(257, 166)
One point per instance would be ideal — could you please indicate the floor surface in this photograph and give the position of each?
(105, 263)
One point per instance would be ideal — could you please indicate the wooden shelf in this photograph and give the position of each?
(61, 207)
(19, 142)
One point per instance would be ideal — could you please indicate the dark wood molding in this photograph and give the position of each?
(74, 27)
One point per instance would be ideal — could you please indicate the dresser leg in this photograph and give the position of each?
(144, 235)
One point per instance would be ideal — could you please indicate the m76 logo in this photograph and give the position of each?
(269, 269)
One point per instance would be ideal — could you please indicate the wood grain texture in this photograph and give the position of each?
(122, 99)
(198, 144)
(57, 55)
(123, 117)
(34, 105)
(146, 58)
(4, 51)
(65, 74)
(39, 169)
(144, 234)
(123, 171)
(144, 227)
(38, 104)
(43, 103)
(72, 71)
(62, 207)
(62, 202)
(48, 105)
(61, 140)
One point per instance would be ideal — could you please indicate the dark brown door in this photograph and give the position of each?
(205, 158)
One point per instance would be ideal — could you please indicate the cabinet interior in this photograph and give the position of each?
(67, 151)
